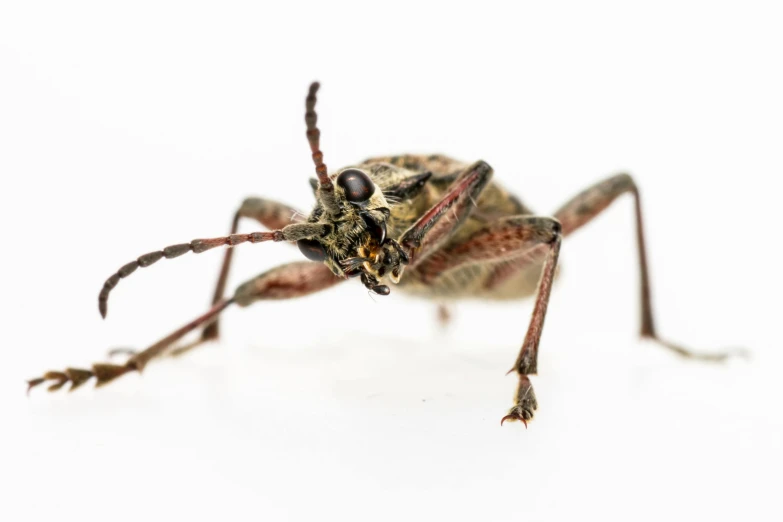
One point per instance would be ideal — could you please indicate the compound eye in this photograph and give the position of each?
(357, 185)
(312, 250)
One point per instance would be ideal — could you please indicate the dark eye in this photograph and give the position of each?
(357, 185)
(312, 250)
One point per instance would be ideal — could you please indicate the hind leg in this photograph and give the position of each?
(591, 202)
(579, 211)
(285, 282)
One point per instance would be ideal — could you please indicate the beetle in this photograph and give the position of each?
(433, 226)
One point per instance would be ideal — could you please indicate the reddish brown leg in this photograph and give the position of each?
(508, 239)
(513, 239)
(272, 215)
(527, 360)
(439, 223)
(284, 282)
(105, 373)
(588, 204)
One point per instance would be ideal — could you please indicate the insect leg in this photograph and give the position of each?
(270, 214)
(438, 224)
(588, 204)
(105, 372)
(527, 360)
(516, 241)
(284, 282)
(510, 241)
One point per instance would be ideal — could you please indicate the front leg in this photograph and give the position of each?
(438, 224)
(434, 228)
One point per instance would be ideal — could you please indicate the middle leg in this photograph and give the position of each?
(270, 214)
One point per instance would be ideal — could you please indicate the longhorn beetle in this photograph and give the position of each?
(431, 225)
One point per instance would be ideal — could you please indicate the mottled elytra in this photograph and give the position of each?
(357, 185)
(435, 227)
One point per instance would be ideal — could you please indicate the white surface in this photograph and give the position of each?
(123, 130)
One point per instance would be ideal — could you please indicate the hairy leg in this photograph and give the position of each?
(285, 282)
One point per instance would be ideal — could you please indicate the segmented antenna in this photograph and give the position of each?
(196, 246)
(314, 137)
(326, 188)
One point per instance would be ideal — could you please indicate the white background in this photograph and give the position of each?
(127, 128)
